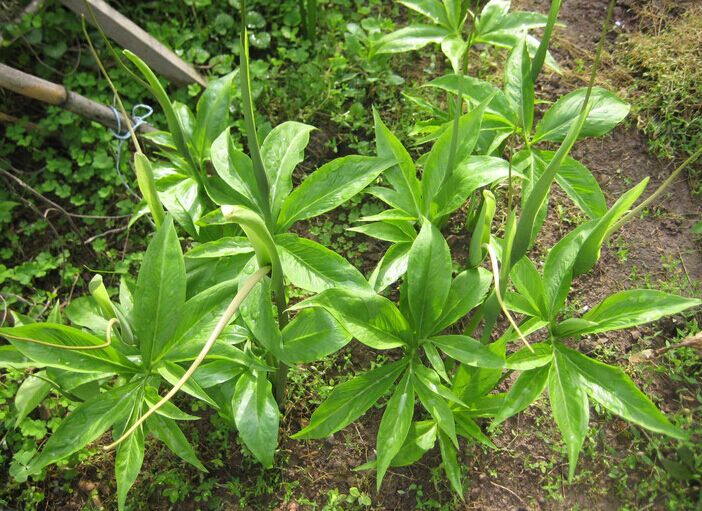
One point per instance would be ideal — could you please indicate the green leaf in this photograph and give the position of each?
(468, 351)
(12, 357)
(524, 391)
(570, 407)
(212, 116)
(467, 427)
(579, 183)
(467, 291)
(330, 186)
(312, 335)
(526, 359)
(519, 87)
(449, 458)
(30, 394)
(428, 278)
(432, 9)
(403, 176)
(160, 292)
(168, 432)
(409, 38)
(394, 425)
(257, 312)
(223, 247)
(527, 281)
(372, 319)
(589, 252)
(157, 90)
(130, 455)
(281, 151)
(172, 373)
(167, 409)
(83, 425)
(473, 173)
(437, 408)
(390, 230)
(236, 169)
(439, 165)
(476, 91)
(391, 267)
(420, 438)
(632, 308)
(607, 111)
(107, 359)
(348, 401)
(615, 391)
(256, 415)
(313, 267)
(216, 372)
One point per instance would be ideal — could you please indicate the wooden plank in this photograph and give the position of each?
(55, 94)
(132, 37)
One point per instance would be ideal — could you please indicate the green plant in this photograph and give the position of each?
(429, 297)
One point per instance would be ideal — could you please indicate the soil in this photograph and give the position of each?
(512, 478)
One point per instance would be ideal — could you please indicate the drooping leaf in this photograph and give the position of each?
(394, 425)
(615, 391)
(168, 432)
(256, 415)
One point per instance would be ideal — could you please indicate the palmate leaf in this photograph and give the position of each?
(394, 425)
(615, 391)
(348, 401)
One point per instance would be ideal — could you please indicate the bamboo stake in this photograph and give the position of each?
(54, 94)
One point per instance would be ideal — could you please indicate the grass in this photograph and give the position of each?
(664, 60)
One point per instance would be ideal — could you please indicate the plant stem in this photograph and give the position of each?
(221, 324)
(664, 185)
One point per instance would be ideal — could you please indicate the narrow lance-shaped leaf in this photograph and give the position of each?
(330, 186)
(615, 391)
(428, 278)
(256, 415)
(570, 407)
(394, 425)
(348, 401)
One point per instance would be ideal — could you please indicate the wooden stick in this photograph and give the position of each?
(55, 94)
(131, 36)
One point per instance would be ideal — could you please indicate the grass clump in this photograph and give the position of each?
(665, 61)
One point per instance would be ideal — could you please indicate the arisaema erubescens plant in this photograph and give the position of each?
(431, 301)
(456, 26)
(116, 357)
(456, 377)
